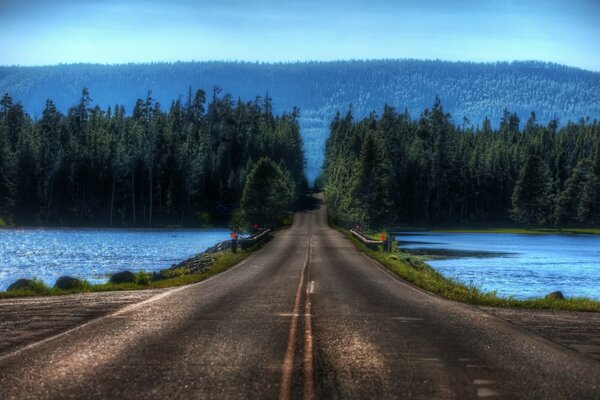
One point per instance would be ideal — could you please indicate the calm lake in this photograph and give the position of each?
(92, 254)
(522, 266)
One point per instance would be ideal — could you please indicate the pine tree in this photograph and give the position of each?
(531, 199)
(51, 156)
(578, 201)
(267, 196)
(7, 161)
(370, 192)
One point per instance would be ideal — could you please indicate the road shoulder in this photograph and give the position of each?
(24, 321)
(579, 331)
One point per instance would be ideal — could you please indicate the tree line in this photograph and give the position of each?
(183, 166)
(319, 89)
(395, 169)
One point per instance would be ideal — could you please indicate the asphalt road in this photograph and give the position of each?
(308, 316)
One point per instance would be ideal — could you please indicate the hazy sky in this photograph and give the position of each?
(110, 31)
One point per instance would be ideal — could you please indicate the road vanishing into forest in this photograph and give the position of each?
(307, 316)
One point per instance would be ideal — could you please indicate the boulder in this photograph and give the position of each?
(67, 283)
(221, 246)
(20, 284)
(555, 296)
(122, 277)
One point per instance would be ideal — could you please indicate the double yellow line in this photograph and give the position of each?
(285, 390)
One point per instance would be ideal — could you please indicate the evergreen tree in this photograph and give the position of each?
(370, 191)
(440, 173)
(578, 202)
(268, 194)
(531, 199)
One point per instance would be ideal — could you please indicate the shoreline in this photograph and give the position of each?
(496, 230)
(523, 231)
(214, 260)
(102, 227)
(415, 270)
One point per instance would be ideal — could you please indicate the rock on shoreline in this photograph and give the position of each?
(195, 265)
(200, 262)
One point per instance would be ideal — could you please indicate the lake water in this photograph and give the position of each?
(92, 254)
(523, 266)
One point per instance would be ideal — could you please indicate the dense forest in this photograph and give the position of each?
(320, 89)
(428, 170)
(185, 166)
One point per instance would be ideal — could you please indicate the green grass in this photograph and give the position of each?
(414, 270)
(288, 221)
(223, 261)
(532, 231)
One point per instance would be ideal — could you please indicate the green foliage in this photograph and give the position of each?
(531, 199)
(578, 201)
(143, 278)
(268, 194)
(38, 287)
(238, 223)
(186, 165)
(204, 218)
(370, 189)
(430, 171)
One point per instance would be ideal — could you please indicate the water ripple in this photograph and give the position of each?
(94, 253)
(537, 265)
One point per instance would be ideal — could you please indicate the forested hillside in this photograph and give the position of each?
(320, 89)
(185, 163)
(427, 170)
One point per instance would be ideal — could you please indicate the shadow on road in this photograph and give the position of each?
(309, 201)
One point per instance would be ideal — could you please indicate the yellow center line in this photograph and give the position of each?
(285, 388)
(309, 384)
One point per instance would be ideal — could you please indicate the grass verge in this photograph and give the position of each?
(223, 260)
(415, 270)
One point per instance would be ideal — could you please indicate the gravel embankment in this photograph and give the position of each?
(24, 321)
(579, 331)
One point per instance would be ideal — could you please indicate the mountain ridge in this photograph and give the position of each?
(321, 88)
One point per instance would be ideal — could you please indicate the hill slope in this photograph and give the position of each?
(320, 89)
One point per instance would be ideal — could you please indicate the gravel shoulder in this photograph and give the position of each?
(579, 331)
(24, 321)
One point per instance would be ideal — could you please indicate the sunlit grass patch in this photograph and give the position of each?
(415, 270)
(143, 280)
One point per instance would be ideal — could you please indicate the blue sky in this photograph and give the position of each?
(65, 31)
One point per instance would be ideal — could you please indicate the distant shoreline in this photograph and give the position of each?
(523, 231)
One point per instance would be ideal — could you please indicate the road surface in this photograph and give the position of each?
(308, 316)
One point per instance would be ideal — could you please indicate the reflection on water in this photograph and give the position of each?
(522, 266)
(93, 254)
